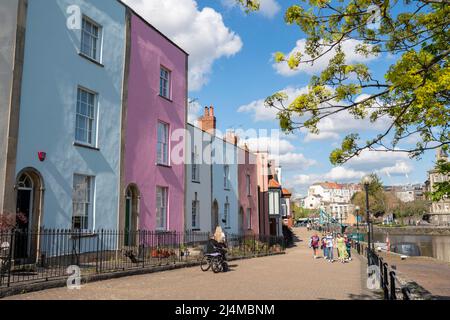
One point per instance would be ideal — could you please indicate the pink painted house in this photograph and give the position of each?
(248, 192)
(155, 107)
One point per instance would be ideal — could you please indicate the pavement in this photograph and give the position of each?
(293, 276)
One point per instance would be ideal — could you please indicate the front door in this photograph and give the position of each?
(215, 217)
(24, 221)
(128, 211)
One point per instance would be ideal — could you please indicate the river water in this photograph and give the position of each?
(430, 246)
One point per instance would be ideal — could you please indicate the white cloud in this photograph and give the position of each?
(202, 33)
(194, 112)
(401, 168)
(321, 136)
(331, 128)
(272, 144)
(378, 160)
(293, 160)
(261, 113)
(320, 64)
(267, 8)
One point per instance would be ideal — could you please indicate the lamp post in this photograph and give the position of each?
(367, 180)
(357, 208)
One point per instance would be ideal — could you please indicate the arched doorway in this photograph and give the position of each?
(132, 198)
(29, 203)
(214, 216)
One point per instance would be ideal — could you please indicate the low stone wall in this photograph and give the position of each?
(432, 231)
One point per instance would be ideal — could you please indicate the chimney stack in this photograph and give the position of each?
(208, 121)
(232, 138)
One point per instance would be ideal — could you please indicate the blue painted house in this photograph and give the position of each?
(67, 161)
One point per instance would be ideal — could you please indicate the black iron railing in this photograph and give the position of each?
(389, 283)
(30, 256)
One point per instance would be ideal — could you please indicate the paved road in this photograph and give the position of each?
(295, 275)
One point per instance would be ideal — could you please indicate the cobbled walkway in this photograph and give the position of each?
(293, 276)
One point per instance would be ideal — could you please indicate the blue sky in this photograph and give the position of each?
(232, 69)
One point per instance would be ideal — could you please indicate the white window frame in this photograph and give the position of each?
(165, 85)
(195, 217)
(195, 167)
(226, 177)
(91, 118)
(162, 208)
(226, 213)
(88, 202)
(249, 219)
(163, 147)
(96, 40)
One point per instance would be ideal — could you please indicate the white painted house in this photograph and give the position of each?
(198, 215)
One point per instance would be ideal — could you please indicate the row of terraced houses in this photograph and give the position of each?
(93, 121)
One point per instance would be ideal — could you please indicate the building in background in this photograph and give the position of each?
(407, 193)
(439, 211)
(198, 213)
(275, 193)
(248, 191)
(153, 190)
(286, 212)
(262, 172)
(334, 198)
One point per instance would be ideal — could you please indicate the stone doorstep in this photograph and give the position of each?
(60, 283)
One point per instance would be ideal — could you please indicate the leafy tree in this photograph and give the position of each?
(413, 96)
(380, 202)
(411, 209)
(442, 189)
(301, 213)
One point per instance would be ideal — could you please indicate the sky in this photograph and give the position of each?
(232, 68)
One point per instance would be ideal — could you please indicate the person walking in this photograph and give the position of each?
(314, 244)
(342, 248)
(348, 245)
(329, 247)
(323, 243)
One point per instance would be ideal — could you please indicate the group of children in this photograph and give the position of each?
(328, 242)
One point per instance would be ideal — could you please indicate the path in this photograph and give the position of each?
(293, 276)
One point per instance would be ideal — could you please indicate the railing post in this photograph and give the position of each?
(385, 281)
(11, 252)
(393, 294)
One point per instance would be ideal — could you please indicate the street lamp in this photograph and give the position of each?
(367, 180)
(357, 208)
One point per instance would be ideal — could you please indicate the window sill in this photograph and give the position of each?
(90, 59)
(80, 145)
(196, 230)
(196, 182)
(82, 235)
(165, 98)
(227, 189)
(164, 165)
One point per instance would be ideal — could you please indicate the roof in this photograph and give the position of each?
(286, 193)
(134, 12)
(273, 184)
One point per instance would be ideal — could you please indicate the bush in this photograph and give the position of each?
(8, 221)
